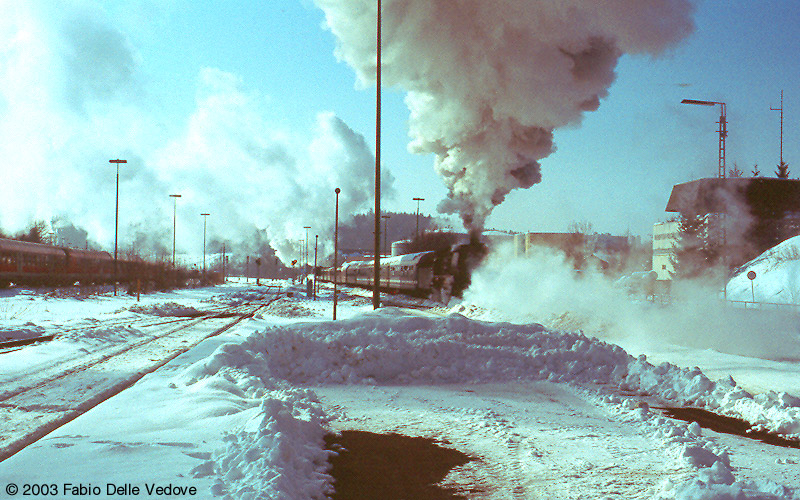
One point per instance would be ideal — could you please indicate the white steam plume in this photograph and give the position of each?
(73, 96)
(544, 288)
(251, 176)
(488, 82)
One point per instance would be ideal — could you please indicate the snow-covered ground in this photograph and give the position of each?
(552, 382)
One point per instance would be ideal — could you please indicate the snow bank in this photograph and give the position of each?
(777, 276)
(166, 309)
(391, 346)
(709, 473)
(280, 452)
(20, 330)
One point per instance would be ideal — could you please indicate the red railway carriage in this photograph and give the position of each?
(25, 263)
(89, 266)
(30, 263)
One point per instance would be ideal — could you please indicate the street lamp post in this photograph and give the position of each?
(316, 244)
(385, 233)
(418, 200)
(305, 254)
(721, 173)
(336, 253)
(116, 224)
(174, 225)
(723, 131)
(385, 245)
(205, 220)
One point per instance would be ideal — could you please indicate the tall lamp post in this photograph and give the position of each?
(174, 225)
(205, 221)
(385, 245)
(116, 224)
(723, 131)
(336, 253)
(385, 233)
(305, 254)
(418, 200)
(316, 244)
(721, 173)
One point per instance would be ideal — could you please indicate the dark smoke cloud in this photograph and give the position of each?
(488, 82)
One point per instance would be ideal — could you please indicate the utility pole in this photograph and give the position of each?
(376, 294)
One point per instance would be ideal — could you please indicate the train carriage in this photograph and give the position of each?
(26, 263)
(23, 262)
(434, 274)
(89, 266)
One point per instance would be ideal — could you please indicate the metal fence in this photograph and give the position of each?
(749, 304)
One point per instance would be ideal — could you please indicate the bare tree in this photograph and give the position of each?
(580, 227)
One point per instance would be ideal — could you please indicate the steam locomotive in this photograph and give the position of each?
(36, 264)
(435, 274)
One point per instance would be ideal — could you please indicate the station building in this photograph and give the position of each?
(745, 215)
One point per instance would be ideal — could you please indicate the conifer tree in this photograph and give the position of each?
(694, 253)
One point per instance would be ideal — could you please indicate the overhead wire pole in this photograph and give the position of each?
(116, 226)
(376, 294)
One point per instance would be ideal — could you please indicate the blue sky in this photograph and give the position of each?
(614, 171)
(270, 67)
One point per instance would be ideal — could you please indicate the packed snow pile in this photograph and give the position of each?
(244, 296)
(777, 276)
(280, 452)
(166, 309)
(287, 308)
(20, 331)
(393, 346)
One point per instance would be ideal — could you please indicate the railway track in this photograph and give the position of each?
(50, 397)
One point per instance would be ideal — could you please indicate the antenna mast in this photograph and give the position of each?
(783, 168)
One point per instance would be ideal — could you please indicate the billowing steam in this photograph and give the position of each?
(488, 82)
(73, 96)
